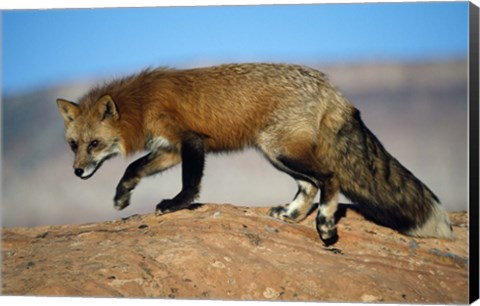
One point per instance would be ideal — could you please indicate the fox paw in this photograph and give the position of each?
(328, 232)
(282, 213)
(329, 237)
(120, 202)
(166, 206)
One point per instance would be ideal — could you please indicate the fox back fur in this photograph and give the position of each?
(300, 122)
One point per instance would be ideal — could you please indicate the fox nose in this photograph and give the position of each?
(78, 172)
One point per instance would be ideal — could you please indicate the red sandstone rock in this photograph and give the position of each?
(235, 253)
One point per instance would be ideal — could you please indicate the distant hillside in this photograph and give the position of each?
(418, 111)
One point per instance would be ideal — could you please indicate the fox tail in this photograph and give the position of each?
(386, 191)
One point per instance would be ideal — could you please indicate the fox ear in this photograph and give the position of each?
(68, 110)
(107, 108)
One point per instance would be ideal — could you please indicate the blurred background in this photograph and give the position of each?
(404, 65)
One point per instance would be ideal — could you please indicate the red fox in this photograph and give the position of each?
(299, 121)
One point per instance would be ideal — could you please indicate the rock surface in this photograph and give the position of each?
(235, 253)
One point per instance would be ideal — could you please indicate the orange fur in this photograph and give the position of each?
(170, 102)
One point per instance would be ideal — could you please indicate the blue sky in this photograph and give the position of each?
(46, 47)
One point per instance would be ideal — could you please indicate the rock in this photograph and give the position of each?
(235, 253)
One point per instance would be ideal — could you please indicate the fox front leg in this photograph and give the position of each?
(149, 164)
(193, 162)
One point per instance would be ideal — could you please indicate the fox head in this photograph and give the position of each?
(91, 132)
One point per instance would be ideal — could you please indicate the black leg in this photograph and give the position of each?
(129, 181)
(193, 162)
(149, 164)
(326, 225)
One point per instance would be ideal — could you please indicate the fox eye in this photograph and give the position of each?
(93, 145)
(73, 145)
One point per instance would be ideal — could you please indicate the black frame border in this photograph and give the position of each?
(474, 154)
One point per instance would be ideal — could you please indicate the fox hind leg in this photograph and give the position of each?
(308, 174)
(298, 209)
(327, 208)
